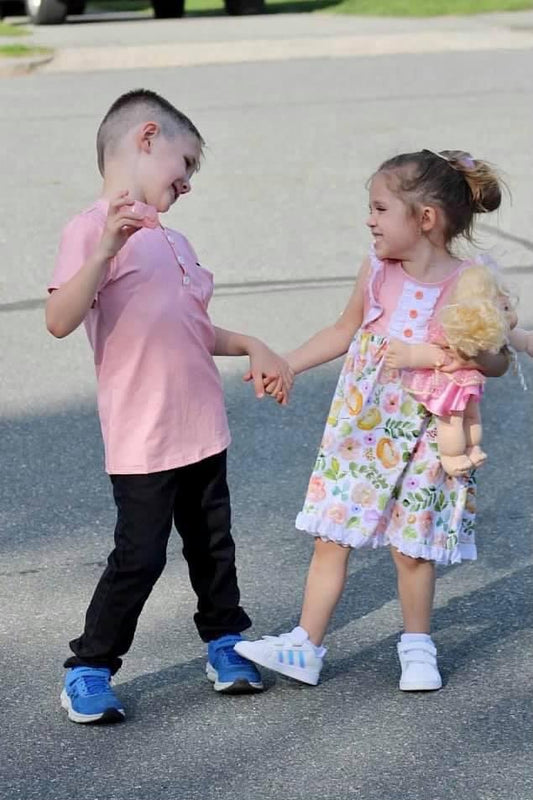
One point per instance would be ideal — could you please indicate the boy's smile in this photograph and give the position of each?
(166, 169)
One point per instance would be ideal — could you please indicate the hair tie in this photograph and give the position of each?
(465, 161)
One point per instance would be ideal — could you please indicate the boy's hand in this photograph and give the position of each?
(267, 369)
(121, 223)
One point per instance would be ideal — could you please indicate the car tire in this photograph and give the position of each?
(75, 7)
(10, 8)
(237, 8)
(168, 9)
(46, 12)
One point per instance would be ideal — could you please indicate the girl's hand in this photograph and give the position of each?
(454, 361)
(275, 388)
(397, 355)
(401, 355)
(121, 223)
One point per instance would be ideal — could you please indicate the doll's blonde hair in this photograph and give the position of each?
(474, 320)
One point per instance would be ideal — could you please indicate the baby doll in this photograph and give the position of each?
(480, 317)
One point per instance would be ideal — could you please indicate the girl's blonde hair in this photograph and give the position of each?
(475, 319)
(460, 185)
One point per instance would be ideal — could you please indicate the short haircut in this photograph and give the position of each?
(135, 108)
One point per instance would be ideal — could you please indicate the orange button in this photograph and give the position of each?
(419, 295)
(413, 314)
(408, 333)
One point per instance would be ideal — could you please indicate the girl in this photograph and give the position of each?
(378, 479)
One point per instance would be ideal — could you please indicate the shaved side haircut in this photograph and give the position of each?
(134, 108)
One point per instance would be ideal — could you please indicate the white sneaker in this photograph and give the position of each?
(420, 673)
(289, 654)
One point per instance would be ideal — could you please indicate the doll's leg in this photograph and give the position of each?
(451, 438)
(473, 433)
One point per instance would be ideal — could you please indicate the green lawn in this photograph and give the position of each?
(21, 51)
(12, 30)
(393, 8)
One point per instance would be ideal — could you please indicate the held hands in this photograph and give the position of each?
(121, 223)
(270, 373)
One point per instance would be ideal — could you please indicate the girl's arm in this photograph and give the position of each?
(333, 341)
(492, 365)
(402, 355)
(522, 341)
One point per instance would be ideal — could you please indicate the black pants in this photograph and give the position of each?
(197, 498)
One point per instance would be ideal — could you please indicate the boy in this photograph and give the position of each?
(143, 297)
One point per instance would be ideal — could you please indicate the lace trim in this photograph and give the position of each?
(330, 532)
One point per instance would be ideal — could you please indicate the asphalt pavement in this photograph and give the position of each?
(277, 212)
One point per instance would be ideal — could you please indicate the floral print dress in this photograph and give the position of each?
(378, 479)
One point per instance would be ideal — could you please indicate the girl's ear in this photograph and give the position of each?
(146, 134)
(428, 218)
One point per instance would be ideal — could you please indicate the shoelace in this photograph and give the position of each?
(231, 656)
(93, 684)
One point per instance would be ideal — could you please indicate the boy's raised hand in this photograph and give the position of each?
(121, 223)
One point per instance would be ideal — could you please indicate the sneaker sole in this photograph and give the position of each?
(419, 687)
(296, 673)
(239, 686)
(107, 717)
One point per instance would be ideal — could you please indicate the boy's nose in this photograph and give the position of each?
(185, 187)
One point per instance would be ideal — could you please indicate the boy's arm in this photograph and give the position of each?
(333, 341)
(68, 304)
(265, 365)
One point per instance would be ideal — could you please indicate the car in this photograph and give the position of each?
(54, 12)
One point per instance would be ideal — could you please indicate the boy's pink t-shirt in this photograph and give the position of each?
(160, 396)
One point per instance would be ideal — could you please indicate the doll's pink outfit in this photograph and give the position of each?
(442, 392)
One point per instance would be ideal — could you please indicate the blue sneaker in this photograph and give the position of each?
(230, 672)
(88, 697)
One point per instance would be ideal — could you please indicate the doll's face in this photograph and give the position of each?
(508, 311)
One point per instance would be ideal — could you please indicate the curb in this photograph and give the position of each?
(12, 67)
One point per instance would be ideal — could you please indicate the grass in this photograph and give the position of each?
(11, 30)
(427, 8)
(21, 51)
(391, 8)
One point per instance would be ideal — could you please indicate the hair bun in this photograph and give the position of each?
(482, 179)
(489, 197)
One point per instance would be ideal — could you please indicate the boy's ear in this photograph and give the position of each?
(428, 218)
(146, 134)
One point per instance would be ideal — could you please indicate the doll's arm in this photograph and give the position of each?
(522, 341)
(402, 355)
